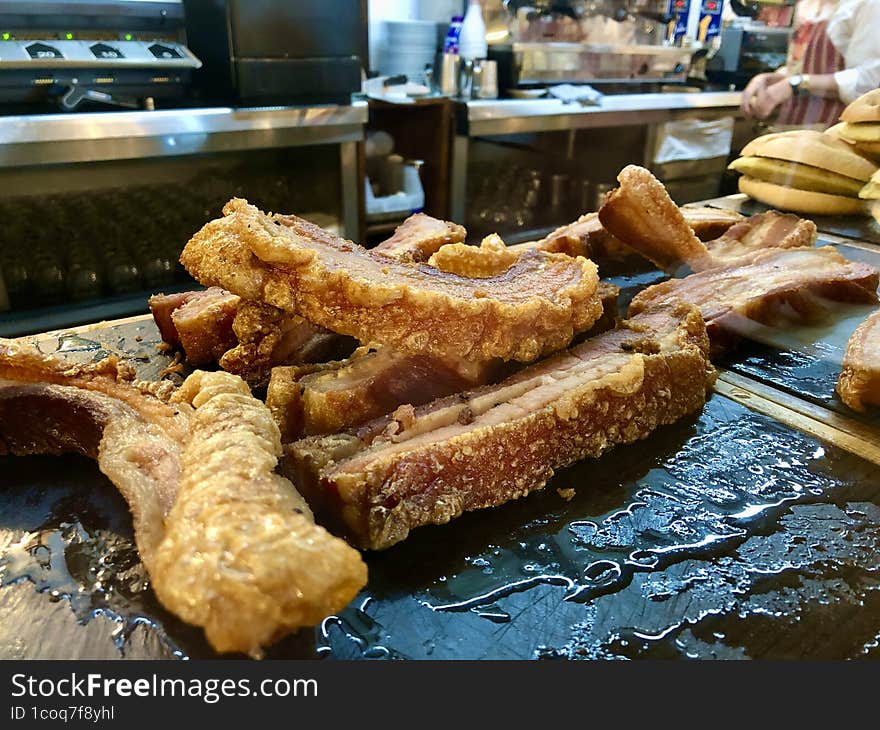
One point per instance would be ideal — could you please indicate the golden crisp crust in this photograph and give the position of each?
(812, 148)
(800, 201)
(491, 258)
(642, 215)
(428, 465)
(242, 556)
(864, 109)
(859, 381)
(420, 236)
(534, 308)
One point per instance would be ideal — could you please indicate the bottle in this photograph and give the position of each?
(450, 43)
(472, 41)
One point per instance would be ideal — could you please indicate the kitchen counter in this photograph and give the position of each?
(496, 117)
(512, 116)
(49, 139)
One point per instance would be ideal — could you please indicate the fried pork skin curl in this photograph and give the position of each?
(533, 308)
(859, 381)
(242, 555)
(488, 446)
(228, 544)
(491, 258)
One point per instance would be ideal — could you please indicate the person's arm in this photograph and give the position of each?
(853, 82)
(780, 91)
(756, 85)
(853, 29)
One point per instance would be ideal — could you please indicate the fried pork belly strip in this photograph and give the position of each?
(535, 307)
(245, 338)
(420, 236)
(859, 381)
(491, 258)
(311, 400)
(198, 322)
(772, 287)
(485, 447)
(587, 237)
(642, 215)
(242, 555)
(758, 233)
(228, 544)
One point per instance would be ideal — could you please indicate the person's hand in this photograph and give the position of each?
(757, 84)
(771, 98)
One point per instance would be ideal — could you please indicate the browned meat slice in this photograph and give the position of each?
(228, 544)
(306, 400)
(485, 447)
(758, 233)
(587, 236)
(320, 399)
(204, 325)
(199, 322)
(709, 223)
(859, 382)
(775, 286)
(535, 307)
(162, 307)
(420, 236)
(642, 215)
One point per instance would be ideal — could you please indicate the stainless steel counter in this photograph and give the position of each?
(513, 116)
(55, 139)
(487, 118)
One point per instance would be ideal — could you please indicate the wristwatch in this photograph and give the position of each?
(800, 84)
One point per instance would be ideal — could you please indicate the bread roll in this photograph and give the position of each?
(797, 175)
(800, 201)
(812, 148)
(861, 132)
(864, 109)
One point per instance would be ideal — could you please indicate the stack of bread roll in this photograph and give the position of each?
(860, 125)
(804, 171)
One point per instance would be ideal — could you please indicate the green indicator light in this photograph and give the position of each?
(6, 36)
(69, 36)
(127, 36)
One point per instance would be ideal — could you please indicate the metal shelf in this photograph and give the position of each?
(69, 314)
(52, 139)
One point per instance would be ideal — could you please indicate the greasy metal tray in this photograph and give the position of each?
(805, 361)
(725, 535)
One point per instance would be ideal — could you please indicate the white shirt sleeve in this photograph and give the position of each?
(854, 29)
